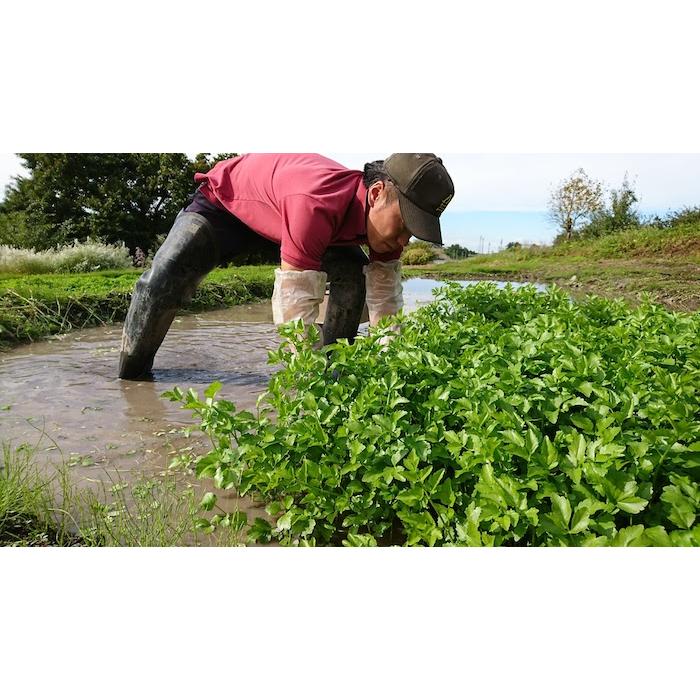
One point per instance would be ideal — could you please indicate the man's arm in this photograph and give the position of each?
(297, 294)
(384, 289)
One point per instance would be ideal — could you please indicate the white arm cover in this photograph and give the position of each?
(384, 289)
(297, 295)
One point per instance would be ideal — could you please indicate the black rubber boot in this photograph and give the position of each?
(189, 252)
(346, 300)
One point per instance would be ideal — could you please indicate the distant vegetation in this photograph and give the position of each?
(458, 252)
(657, 239)
(418, 253)
(76, 257)
(423, 253)
(584, 208)
(114, 198)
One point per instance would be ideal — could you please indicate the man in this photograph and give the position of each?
(318, 213)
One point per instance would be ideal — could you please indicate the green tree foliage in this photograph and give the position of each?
(114, 197)
(687, 215)
(458, 252)
(618, 215)
(575, 201)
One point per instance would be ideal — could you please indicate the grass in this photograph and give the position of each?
(663, 263)
(41, 509)
(32, 307)
(88, 256)
(29, 514)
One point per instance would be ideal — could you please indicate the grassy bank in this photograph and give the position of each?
(664, 263)
(36, 306)
(41, 509)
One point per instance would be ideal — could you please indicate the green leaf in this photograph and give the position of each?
(561, 511)
(445, 493)
(203, 525)
(354, 540)
(412, 496)
(273, 508)
(581, 518)
(657, 536)
(629, 536)
(586, 388)
(513, 437)
(532, 441)
(577, 449)
(212, 390)
(260, 531)
(285, 522)
(208, 501)
(580, 421)
(632, 504)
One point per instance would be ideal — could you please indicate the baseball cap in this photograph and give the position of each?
(425, 189)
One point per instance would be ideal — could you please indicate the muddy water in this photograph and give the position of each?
(63, 395)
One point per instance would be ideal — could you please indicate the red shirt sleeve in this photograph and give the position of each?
(307, 231)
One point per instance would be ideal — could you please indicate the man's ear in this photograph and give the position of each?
(375, 192)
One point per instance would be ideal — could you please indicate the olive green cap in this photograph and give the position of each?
(425, 189)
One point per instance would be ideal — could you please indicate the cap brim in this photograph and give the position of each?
(420, 223)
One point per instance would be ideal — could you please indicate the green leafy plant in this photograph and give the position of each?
(418, 253)
(495, 417)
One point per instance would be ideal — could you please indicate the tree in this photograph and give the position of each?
(623, 213)
(620, 214)
(129, 197)
(574, 202)
(458, 252)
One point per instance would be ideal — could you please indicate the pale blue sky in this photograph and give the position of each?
(503, 197)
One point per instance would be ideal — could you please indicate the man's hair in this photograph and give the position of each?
(375, 172)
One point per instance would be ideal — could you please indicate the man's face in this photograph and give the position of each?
(386, 231)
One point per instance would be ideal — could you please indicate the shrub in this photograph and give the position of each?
(419, 253)
(77, 257)
(619, 215)
(24, 262)
(689, 215)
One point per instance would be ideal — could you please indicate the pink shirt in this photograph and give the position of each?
(302, 201)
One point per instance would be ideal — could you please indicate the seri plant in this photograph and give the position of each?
(495, 417)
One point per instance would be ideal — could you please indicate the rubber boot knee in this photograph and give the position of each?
(189, 252)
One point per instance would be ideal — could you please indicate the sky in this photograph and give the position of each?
(500, 198)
